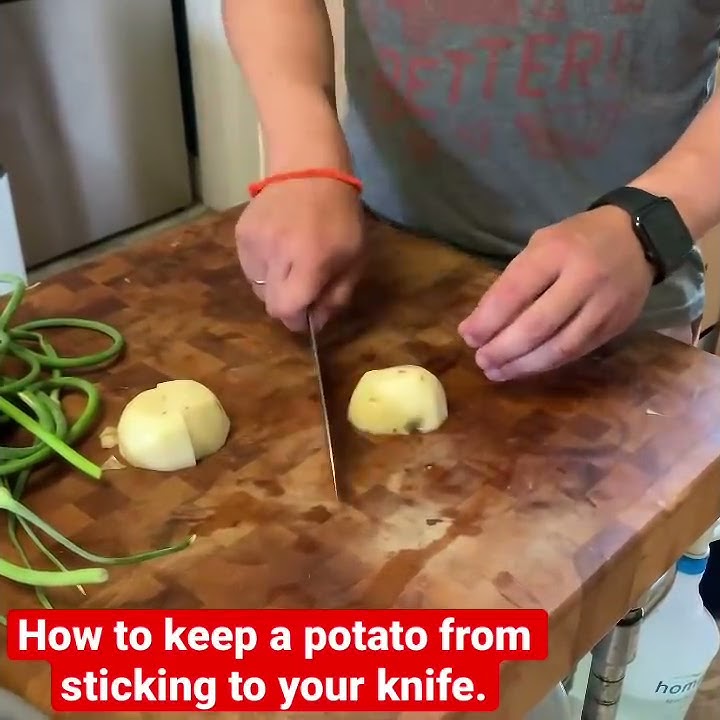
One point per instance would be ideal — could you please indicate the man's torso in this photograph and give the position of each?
(480, 121)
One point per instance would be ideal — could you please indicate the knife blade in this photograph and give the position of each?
(323, 403)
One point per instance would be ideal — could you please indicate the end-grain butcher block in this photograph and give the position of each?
(571, 492)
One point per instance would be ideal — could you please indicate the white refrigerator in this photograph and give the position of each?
(11, 257)
(92, 133)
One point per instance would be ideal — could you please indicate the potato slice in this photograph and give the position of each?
(172, 426)
(205, 418)
(153, 437)
(398, 400)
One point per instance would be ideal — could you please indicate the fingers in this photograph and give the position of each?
(583, 334)
(291, 290)
(536, 325)
(524, 279)
(336, 297)
(253, 267)
(298, 246)
(287, 290)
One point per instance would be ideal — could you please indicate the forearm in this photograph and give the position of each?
(689, 174)
(285, 50)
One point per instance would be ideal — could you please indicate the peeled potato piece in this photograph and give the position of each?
(398, 401)
(205, 418)
(172, 426)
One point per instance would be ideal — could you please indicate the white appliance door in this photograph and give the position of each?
(11, 257)
(91, 125)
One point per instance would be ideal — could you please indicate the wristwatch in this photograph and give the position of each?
(658, 226)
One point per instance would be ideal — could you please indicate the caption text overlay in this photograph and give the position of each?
(277, 660)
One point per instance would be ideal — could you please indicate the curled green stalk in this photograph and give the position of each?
(12, 523)
(52, 441)
(52, 578)
(34, 402)
(11, 505)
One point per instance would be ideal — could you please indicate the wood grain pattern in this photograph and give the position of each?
(562, 492)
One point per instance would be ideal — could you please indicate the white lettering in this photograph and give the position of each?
(280, 639)
(252, 689)
(288, 690)
(71, 689)
(359, 637)
(197, 639)
(482, 639)
(58, 638)
(99, 687)
(386, 687)
(312, 689)
(432, 688)
(138, 638)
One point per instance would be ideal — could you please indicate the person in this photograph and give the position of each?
(509, 128)
(575, 144)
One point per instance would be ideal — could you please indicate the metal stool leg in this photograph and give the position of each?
(610, 659)
(612, 655)
(569, 681)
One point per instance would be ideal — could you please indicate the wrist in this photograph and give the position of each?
(657, 225)
(612, 216)
(678, 181)
(304, 131)
(330, 173)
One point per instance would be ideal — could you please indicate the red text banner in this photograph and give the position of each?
(276, 660)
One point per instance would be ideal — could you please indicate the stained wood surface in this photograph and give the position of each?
(572, 492)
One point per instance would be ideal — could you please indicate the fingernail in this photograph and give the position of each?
(494, 375)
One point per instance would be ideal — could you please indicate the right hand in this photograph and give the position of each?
(304, 238)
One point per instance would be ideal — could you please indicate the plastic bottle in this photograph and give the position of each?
(554, 706)
(13, 707)
(678, 641)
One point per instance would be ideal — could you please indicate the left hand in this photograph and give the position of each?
(577, 285)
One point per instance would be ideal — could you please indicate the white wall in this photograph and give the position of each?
(230, 143)
(11, 258)
(337, 20)
(228, 137)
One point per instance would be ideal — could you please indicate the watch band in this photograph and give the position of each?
(657, 224)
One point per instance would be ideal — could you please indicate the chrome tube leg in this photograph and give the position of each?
(569, 681)
(610, 660)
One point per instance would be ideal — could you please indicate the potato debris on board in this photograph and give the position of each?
(398, 400)
(112, 463)
(109, 438)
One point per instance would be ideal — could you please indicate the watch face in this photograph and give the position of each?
(665, 230)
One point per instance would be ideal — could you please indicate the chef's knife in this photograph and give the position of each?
(323, 403)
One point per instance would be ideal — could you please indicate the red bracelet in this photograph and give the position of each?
(257, 187)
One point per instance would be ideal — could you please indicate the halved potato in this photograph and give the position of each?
(398, 400)
(172, 426)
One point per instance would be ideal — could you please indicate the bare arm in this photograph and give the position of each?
(285, 50)
(689, 174)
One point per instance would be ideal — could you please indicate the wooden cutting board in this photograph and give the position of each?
(572, 492)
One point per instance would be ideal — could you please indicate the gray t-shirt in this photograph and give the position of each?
(480, 121)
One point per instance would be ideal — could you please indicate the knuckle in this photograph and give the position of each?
(590, 272)
(547, 236)
(600, 275)
(540, 235)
